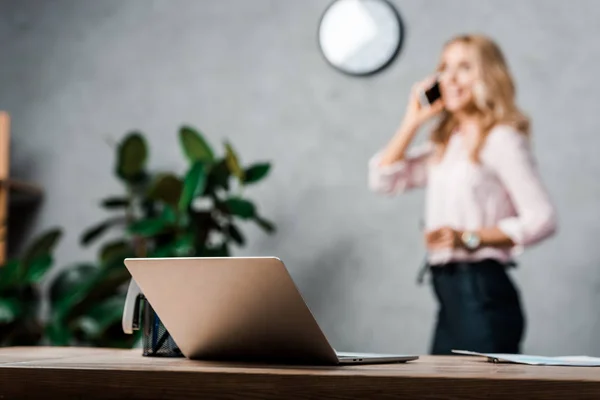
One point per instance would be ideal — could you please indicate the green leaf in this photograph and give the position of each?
(137, 184)
(37, 268)
(105, 283)
(42, 246)
(193, 185)
(233, 163)
(68, 283)
(115, 202)
(10, 310)
(218, 176)
(9, 274)
(81, 287)
(147, 227)
(132, 156)
(168, 215)
(240, 207)
(101, 316)
(218, 251)
(148, 207)
(58, 333)
(164, 251)
(201, 224)
(166, 188)
(256, 172)
(266, 225)
(182, 246)
(114, 251)
(91, 234)
(195, 146)
(235, 234)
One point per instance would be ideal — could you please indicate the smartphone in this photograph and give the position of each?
(431, 95)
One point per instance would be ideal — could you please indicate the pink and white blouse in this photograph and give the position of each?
(504, 190)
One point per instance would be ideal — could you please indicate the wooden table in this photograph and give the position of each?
(106, 373)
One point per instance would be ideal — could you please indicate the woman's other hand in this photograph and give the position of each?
(442, 239)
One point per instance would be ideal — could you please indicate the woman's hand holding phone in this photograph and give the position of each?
(418, 113)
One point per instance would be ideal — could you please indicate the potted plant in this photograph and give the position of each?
(159, 214)
(20, 279)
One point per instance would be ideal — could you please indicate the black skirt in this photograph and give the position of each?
(479, 308)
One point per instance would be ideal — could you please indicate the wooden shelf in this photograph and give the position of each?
(22, 192)
(16, 196)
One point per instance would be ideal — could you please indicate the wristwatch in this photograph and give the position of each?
(470, 240)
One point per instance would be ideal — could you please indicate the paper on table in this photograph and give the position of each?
(570, 361)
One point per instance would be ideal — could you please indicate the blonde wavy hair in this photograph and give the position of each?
(493, 92)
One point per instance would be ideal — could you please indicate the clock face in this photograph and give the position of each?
(360, 37)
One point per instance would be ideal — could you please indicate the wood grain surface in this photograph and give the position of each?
(107, 373)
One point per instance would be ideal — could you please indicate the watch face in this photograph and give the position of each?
(471, 240)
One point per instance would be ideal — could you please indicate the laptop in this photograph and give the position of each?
(239, 309)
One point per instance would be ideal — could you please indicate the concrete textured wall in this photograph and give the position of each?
(76, 75)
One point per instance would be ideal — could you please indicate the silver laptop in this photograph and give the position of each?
(238, 309)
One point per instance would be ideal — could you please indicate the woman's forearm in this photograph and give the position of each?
(447, 237)
(494, 237)
(396, 148)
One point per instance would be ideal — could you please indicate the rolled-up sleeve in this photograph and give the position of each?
(510, 156)
(403, 175)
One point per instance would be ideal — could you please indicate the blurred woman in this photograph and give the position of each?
(485, 201)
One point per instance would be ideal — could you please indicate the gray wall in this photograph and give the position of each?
(76, 75)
